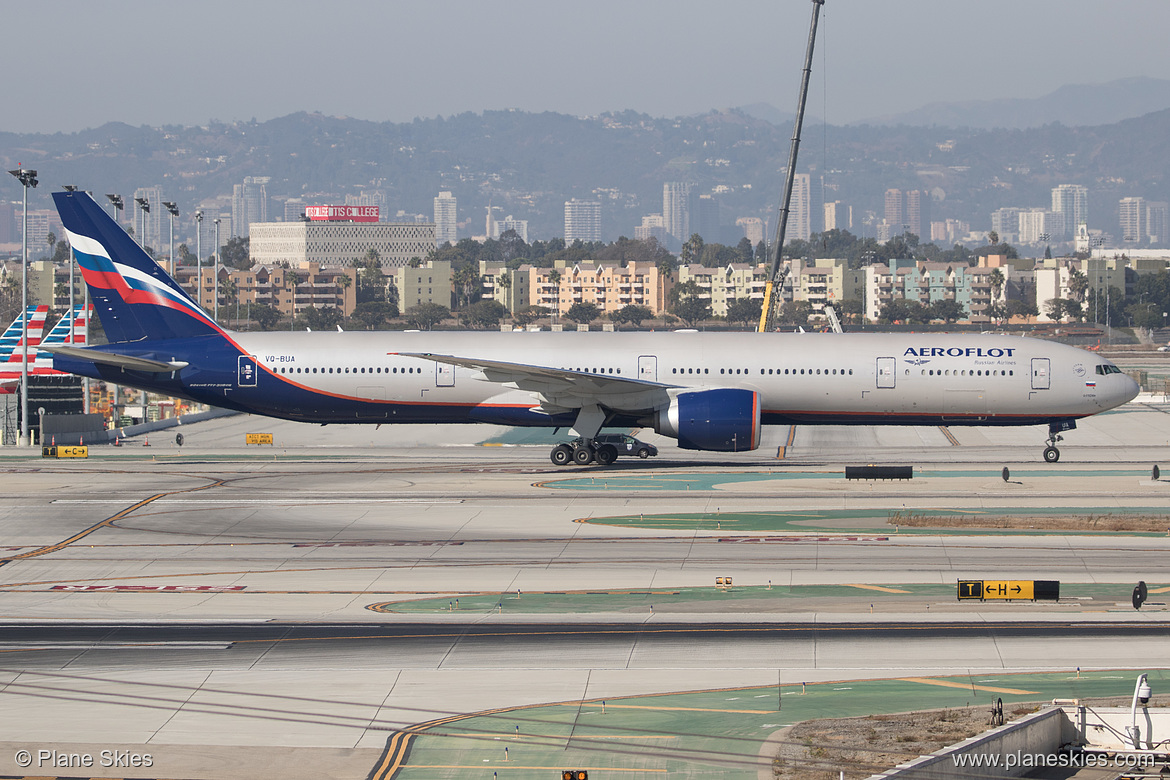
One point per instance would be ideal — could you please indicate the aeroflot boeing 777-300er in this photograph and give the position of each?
(710, 391)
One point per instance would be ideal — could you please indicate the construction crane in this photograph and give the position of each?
(776, 274)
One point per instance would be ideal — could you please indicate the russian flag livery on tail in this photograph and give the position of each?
(709, 391)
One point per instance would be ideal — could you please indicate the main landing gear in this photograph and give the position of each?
(582, 452)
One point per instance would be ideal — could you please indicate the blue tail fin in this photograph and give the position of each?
(133, 297)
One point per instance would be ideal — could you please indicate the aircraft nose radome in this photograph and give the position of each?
(1131, 389)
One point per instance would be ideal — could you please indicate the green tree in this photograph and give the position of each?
(321, 319)
(52, 241)
(744, 310)
(1056, 308)
(484, 314)
(1078, 285)
(692, 249)
(528, 315)
(997, 312)
(744, 250)
(1016, 307)
(266, 316)
(795, 313)
(688, 303)
(997, 281)
(425, 316)
(946, 310)
(237, 253)
(851, 310)
(632, 313)
(468, 285)
(372, 280)
(903, 310)
(582, 313)
(372, 315)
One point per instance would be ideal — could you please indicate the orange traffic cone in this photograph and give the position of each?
(146, 442)
(53, 441)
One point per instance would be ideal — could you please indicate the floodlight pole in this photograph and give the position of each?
(215, 269)
(27, 178)
(199, 259)
(173, 210)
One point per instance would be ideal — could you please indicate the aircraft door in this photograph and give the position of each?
(1041, 373)
(648, 367)
(886, 373)
(444, 375)
(246, 373)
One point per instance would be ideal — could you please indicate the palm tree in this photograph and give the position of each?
(997, 281)
(52, 239)
(1078, 285)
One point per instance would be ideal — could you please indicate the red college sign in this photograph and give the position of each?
(342, 213)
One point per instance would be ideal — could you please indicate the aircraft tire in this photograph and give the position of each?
(582, 456)
(606, 454)
(1051, 454)
(561, 455)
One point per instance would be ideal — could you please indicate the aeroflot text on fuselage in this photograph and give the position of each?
(994, 352)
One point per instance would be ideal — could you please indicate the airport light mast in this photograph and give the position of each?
(776, 275)
(27, 178)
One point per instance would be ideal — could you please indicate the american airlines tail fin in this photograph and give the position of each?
(133, 297)
(11, 348)
(59, 335)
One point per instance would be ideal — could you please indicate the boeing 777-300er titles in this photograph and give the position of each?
(710, 391)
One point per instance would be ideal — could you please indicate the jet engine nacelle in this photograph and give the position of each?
(721, 420)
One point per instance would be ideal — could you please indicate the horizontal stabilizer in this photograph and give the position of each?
(121, 361)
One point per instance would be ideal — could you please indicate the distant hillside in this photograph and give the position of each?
(529, 164)
(1072, 105)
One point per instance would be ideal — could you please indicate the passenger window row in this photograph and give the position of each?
(963, 372)
(348, 370)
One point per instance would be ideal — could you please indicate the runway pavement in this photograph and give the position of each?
(231, 576)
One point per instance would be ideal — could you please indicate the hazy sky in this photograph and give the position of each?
(69, 64)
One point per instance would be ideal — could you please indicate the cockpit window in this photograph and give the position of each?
(1106, 368)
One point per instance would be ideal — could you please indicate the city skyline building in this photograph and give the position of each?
(582, 220)
(1132, 215)
(446, 218)
(676, 210)
(1071, 200)
(153, 236)
(249, 204)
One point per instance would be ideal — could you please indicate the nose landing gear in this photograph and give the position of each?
(1051, 453)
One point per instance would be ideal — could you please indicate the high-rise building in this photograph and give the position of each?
(370, 197)
(511, 223)
(1071, 200)
(838, 216)
(1005, 223)
(1158, 222)
(753, 229)
(895, 210)
(705, 219)
(651, 227)
(1133, 221)
(801, 209)
(582, 220)
(153, 237)
(445, 218)
(249, 204)
(918, 212)
(1040, 226)
(294, 209)
(676, 210)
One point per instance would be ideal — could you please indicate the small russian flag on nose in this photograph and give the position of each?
(1090, 384)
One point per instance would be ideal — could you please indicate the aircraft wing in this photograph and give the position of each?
(561, 387)
(121, 361)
